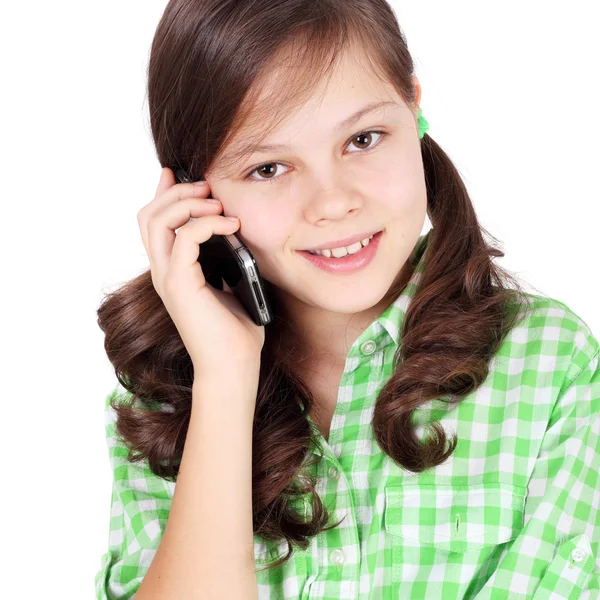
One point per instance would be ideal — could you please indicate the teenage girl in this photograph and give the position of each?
(409, 425)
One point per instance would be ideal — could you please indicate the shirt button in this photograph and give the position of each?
(334, 473)
(578, 555)
(368, 347)
(337, 557)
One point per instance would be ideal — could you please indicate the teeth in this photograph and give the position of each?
(340, 252)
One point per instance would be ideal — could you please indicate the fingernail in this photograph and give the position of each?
(213, 200)
(199, 182)
(232, 218)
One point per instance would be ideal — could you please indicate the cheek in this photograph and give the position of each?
(266, 231)
(266, 224)
(405, 198)
(400, 184)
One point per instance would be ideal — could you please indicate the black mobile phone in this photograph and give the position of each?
(226, 257)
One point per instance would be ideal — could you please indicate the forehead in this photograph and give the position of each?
(352, 78)
(286, 97)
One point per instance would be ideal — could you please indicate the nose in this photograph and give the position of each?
(335, 201)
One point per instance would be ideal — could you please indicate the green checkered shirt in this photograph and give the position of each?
(513, 513)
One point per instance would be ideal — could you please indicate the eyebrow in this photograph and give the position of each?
(353, 118)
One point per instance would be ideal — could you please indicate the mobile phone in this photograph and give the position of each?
(226, 257)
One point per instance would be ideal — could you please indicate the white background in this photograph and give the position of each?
(510, 91)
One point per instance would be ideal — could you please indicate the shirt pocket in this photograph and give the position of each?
(454, 518)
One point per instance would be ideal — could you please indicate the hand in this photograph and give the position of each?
(215, 328)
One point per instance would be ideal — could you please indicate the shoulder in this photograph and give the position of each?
(549, 337)
(126, 455)
(117, 448)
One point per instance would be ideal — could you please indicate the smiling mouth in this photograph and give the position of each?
(343, 251)
(347, 263)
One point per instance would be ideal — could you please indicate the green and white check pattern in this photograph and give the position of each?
(513, 513)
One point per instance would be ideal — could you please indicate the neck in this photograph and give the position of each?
(314, 337)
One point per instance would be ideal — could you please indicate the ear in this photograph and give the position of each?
(417, 87)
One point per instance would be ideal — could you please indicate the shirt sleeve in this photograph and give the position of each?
(139, 509)
(556, 553)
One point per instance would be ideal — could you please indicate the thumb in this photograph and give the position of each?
(167, 180)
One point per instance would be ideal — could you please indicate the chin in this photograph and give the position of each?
(347, 301)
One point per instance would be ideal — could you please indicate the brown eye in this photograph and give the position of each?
(267, 170)
(363, 141)
(362, 136)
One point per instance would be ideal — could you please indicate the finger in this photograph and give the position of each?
(186, 249)
(162, 226)
(165, 181)
(172, 195)
(179, 191)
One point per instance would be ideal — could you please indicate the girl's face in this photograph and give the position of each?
(326, 183)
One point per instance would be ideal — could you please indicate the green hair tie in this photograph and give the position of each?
(423, 124)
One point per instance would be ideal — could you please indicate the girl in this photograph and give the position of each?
(409, 425)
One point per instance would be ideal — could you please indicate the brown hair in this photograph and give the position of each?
(207, 61)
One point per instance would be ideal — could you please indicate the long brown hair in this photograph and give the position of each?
(207, 61)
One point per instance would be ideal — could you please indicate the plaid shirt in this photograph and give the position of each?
(513, 513)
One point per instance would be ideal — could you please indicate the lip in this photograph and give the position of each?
(349, 263)
(343, 242)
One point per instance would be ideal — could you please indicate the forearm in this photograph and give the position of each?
(207, 548)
